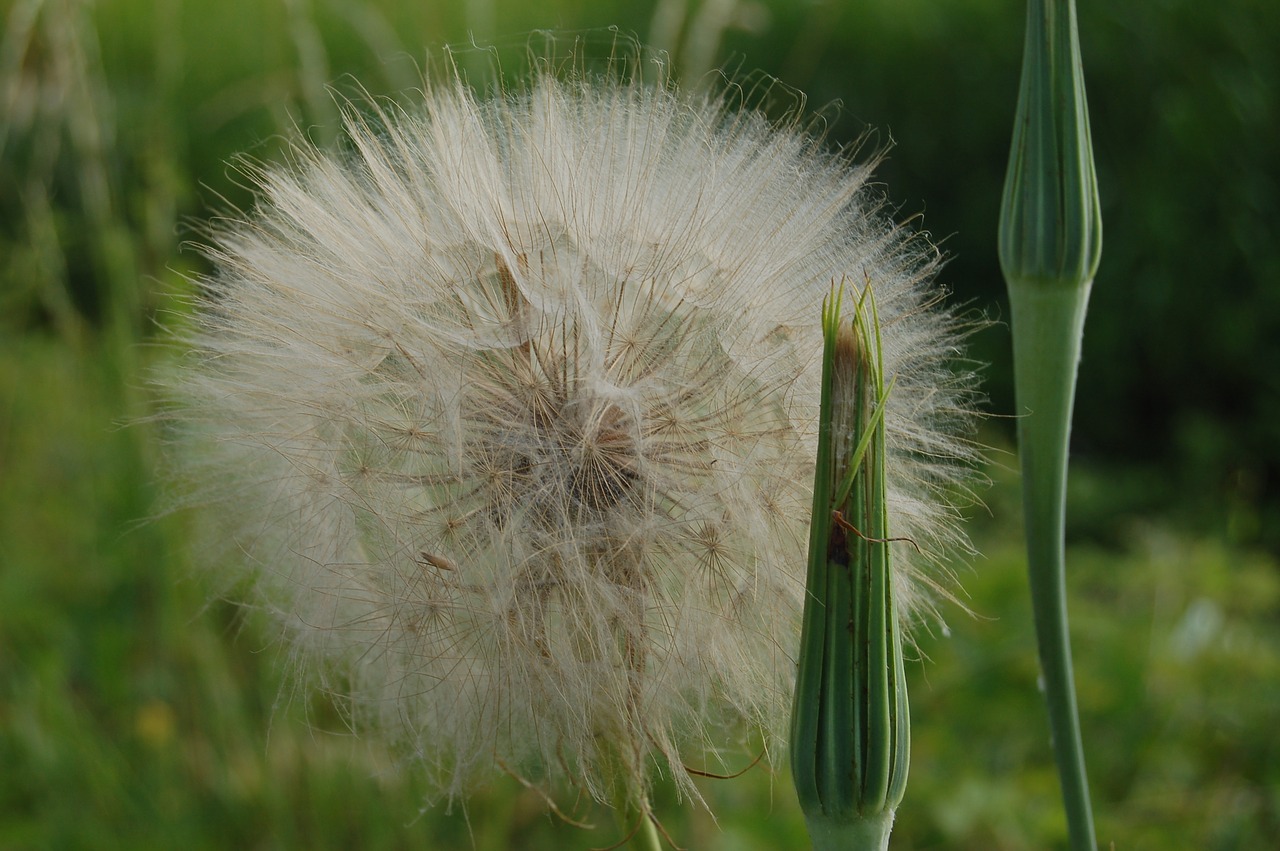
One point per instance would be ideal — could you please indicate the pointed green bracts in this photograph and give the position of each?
(850, 723)
(1050, 222)
(1050, 245)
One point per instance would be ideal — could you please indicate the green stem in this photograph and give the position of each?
(865, 834)
(633, 817)
(1047, 325)
(1050, 243)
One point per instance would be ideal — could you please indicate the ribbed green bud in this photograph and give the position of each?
(1050, 223)
(850, 732)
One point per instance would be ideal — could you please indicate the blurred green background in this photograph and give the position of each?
(135, 713)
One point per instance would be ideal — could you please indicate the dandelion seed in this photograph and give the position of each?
(510, 411)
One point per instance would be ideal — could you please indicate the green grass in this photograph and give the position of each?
(136, 712)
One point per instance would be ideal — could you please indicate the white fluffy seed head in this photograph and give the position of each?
(510, 411)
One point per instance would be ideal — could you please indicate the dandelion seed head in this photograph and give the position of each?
(510, 410)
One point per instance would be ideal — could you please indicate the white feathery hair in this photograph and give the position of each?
(509, 410)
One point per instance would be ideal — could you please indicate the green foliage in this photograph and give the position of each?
(134, 714)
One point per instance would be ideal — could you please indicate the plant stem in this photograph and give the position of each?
(1050, 243)
(1047, 325)
(633, 817)
(865, 834)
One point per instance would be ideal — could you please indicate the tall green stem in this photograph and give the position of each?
(1047, 325)
(1050, 244)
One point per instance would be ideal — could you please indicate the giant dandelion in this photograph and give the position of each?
(506, 412)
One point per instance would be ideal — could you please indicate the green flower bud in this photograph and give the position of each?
(1050, 222)
(850, 727)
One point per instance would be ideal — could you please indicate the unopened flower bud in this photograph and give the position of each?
(850, 733)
